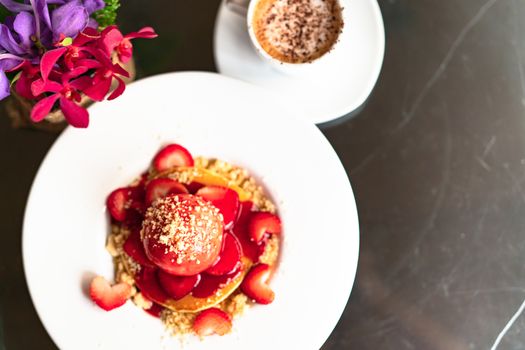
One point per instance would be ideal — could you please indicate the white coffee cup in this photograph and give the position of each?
(316, 66)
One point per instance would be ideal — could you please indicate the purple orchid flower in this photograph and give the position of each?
(36, 26)
(15, 46)
(90, 5)
(7, 62)
(15, 6)
(36, 19)
(74, 16)
(68, 20)
(69, 17)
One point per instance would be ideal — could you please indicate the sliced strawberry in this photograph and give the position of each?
(249, 249)
(137, 196)
(123, 202)
(212, 321)
(225, 199)
(133, 220)
(159, 188)
(143, 179)
(245, 212)
(155, 310)
(177, 286)
(255, 284)
(118, 203)
(171, 156)
(261, 224)
(193, 187)
(209, 284)
(146, 280)
(106, 296)
(135, 249)
(230, 258)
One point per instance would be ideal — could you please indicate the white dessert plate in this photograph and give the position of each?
(66, 223)
(341, 89)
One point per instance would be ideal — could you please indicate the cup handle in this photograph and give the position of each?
(240, 7)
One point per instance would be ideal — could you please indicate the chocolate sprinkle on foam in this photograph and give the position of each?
(297, 31)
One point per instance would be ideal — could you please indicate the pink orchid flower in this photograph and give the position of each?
(78, 49)
(83, 66)
(105, 72)
(113, 40)
(68, 95)
(28, 75)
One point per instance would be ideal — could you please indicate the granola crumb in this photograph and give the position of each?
(271, 251)
(111, 246)
(235, 304)
(141, 301)
(178, 323)
(123, 276)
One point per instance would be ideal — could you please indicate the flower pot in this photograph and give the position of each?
(19, 108)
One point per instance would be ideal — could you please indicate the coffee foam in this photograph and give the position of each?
(297, 31)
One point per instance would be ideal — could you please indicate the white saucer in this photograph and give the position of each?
(65, 224)
(341, 90)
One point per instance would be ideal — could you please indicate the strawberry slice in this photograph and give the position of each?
(261, 224)
(171, 156)
(143, 179)
(225, 199)
(245, 212)
(135, 249)
(212, 321)
(177, 286)
(124, 203)
(193, 187)
(255, 284)
(146, 280)
(133, 220)
(162, 187)
(137, 196)
(118, 203)
(106, 296)
(155, 310)
(249, 249)
(209, 284)
(230, 258)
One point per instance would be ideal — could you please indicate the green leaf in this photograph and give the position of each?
(108, 15)
(3, 14)
(67, 41)
(16, 77)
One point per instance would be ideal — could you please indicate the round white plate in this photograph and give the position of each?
(66, 222)
(345, 85)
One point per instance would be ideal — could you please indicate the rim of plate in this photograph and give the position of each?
(207, 81)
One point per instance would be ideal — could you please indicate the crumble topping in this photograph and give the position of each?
(183, 225)
(141, 301)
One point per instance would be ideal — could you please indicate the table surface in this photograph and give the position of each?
(436, 159)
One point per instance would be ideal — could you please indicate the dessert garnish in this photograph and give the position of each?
(194, 242)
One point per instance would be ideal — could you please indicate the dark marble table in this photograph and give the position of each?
(436, 159)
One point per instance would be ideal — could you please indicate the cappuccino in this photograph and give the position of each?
(297, 31)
